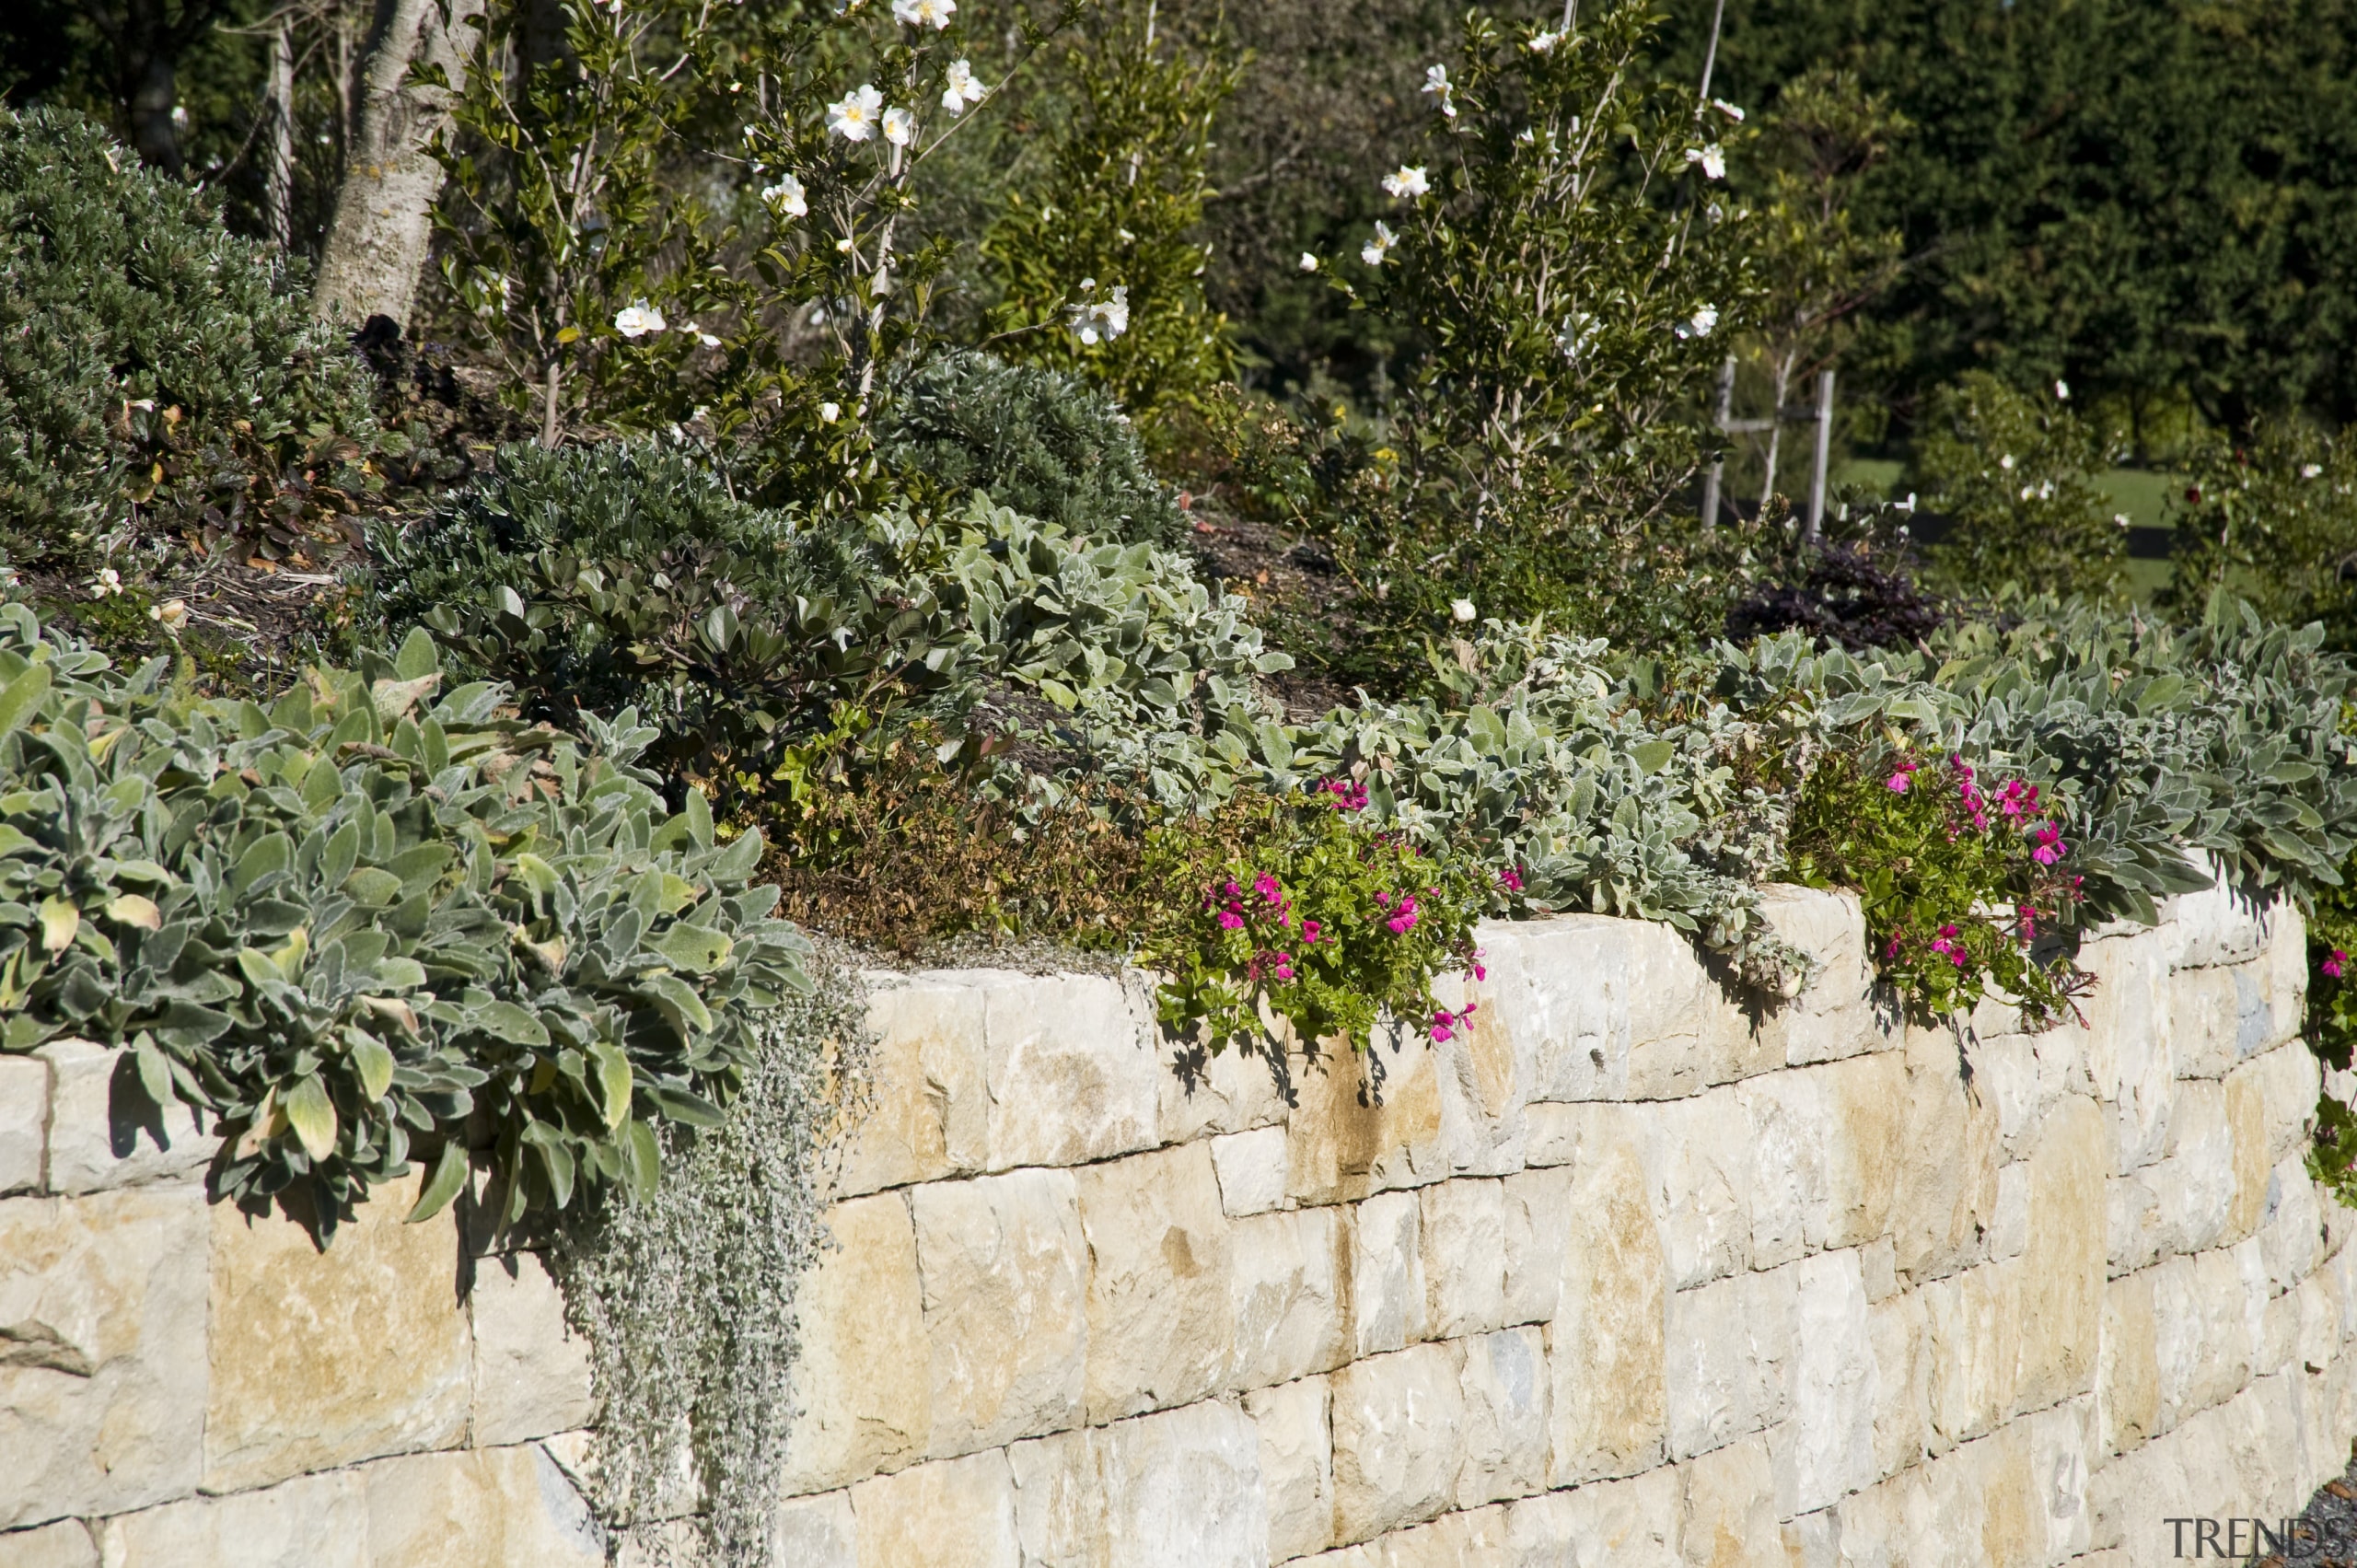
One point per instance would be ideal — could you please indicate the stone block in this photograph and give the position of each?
(1535, 1215)
(2291, 1224)
(1946, 1187)
(323, 1359)
(2062, 1288)
(944, 1513)
(24, 1123)
(1607, 1400)
(2288, 1078)
(1609, 1524)
(1833, 1016)
(2215, 926)
(863, 1377)
(1784, 1184)
(2128, 1380)
(1700, 1163)
(1289, 1284)
(814, 1532)
(1161, 1321)
(1503, 1377)
(1975, 1326)
(2009, 1221)
(1059, 1499)
(1824, 1447)
(66, 1544)
(1728, 1515)
(2202, 1334)
(928, 1114)
(1865, 1147)
(1347, 1138)
(531, 1371)
(1730, 1349)
(103, 1130)
(1072, 1067)
(1462, 1228)
(1235, 1090)
(1387, 1290)
(1183, 1486)
(1481, 1087)
(1684, 1034)
(1296, 1465)
(1005, 1273)
(2281, 974)
(1398, 1425)
(313, 1521)
(2005, 1070)
(2206, 1011)
(1560, 988)
(1252, 1171)
(1899, 1330)
(2247, 1131)
(482, 1505)
(102, 1352)
(1551, 1132)
(2129, 1055)
(2060, 1442)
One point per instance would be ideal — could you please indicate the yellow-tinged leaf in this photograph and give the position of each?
(312, 1115)
(375, 1063)
(613, 1082)
(59, 922)
(129, 909)
(569, 335)
(392, 1008)
(289, 958)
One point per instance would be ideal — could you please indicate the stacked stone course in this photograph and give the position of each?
(1622, 1275)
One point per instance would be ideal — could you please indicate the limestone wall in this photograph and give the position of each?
(1623, 1276)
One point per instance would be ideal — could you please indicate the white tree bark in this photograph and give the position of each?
(278, 187)
(376, 242)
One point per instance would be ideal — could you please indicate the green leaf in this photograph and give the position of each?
(505, 1020)
(22, 698)
(155, 1073)
(375, 1064)
(372, 887)
(1652, 756)
(311, 1114)
(614, 1081)
(681, 1006)
(417, 657)
(696, 948)
(449, 1174)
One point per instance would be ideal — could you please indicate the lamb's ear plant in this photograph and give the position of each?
(375, 922)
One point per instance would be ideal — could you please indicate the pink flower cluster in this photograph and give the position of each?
(2017, 802)
(1347, 795)
(1510, 879)
(1899, 781)
(1401, 916)
(1445, 1024)
(2336, 965)
(1948, 948)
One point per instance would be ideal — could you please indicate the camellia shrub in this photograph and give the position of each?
(152, 365)
(375, 921)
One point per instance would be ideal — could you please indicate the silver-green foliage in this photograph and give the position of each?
(364, 920)
(687, 1298)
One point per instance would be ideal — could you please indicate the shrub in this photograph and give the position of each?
(1959, 875)
(2274, 519)
(366, 921)
(2015, 474)
(1036, 440)
(152, 365)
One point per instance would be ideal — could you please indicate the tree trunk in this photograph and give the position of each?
(278, 185)
(155, 93)
(376, 242)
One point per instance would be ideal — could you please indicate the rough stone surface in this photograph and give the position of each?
(1006, 1278)
(863, 1377)
(325, 1358)
(102, 1352)
(1161, 1321)
(1296, 1465)
(24, 1123)
(531, 1371)
(103, 1130)
(948, 1514)
(1620, 1275)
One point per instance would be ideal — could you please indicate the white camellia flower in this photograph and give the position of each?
(638, 318)
(107, 581)
(855, 118)
(900, 127)
(1730, 111)
(1461, 610)
(1713, 158)
(829, 413)
(935, 14)
(1308, 262)
(1701, 323)
(960, 89)
(1408, 184)
(1375, 252)
(2006, 462)
(1545, 43)
(1579, 331)
(1100, 321)
(787, 196)
(701, 335)
(1436, 83)
(2311, 471)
